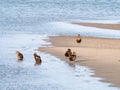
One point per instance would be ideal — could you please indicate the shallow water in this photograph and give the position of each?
(23, 26)
(52, 74)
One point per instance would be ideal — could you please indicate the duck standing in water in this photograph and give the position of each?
(19, 55)
(37, 59)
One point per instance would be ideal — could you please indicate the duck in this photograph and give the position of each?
(68, 53)
(78, 39)
(19, 55)
(73, 57)
(37, 59)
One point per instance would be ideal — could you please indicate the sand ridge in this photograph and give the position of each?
(99, 25)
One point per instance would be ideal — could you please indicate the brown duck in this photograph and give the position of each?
(68, 53)
(37, 59)
(19, 55)
(72, 57)
(78, 39)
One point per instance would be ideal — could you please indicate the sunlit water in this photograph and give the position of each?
(23, 26)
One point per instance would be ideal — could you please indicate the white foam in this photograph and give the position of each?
(72, 29)
(99, 21)
(75, 77)
(52, 74)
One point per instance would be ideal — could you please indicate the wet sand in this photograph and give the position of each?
(100, 54)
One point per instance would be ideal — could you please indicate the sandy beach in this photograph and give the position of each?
(100, 54)
(100, 25)
(49, 28)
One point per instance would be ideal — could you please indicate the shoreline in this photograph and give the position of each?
(99, 25)
(99, 54)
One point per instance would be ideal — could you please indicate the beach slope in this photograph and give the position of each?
(100, 54)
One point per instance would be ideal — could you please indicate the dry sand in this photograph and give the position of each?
(100, 54)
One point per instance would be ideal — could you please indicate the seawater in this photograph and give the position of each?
(52, 74)
(43, 16)
(23, 26)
